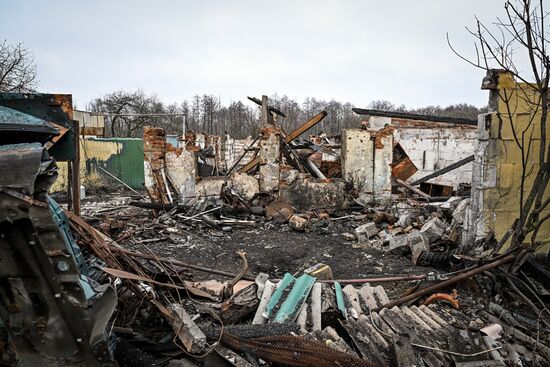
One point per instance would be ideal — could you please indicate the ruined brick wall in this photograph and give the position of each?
(154, 150)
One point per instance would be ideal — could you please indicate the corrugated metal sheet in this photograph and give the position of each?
(123, 157)
(373, 333)
(126, 164)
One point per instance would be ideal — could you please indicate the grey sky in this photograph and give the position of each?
(353, 51)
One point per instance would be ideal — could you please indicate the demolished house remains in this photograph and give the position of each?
(392, 244)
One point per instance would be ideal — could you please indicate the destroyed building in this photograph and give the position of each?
(388, 245)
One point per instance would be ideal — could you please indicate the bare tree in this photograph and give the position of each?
(124, 108)
(384, 105)
(207, 114)
(521, 39)
(17, 68)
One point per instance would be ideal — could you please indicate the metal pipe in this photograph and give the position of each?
(448, 282)
(314, 169)
(377, 280)
(179, 263)
(120, 181)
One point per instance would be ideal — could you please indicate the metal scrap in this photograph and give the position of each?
(450, 298)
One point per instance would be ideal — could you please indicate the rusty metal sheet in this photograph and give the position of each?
(404, 169)
(402, 166)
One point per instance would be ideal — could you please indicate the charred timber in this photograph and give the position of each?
(413, 116)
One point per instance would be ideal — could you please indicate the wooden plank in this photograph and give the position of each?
(253, 163)
(293, 135)
(187, 331)
(413, 189)
(265, 118)
(305, 126)
(444, 170)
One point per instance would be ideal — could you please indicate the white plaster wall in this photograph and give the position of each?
(181, 168)
(382, 169)
(357, 159)
(233, 149)
(378, 122)
(149, 180)
(269, 166)
(432, 149)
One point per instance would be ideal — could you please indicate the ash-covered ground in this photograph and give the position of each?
(270, 248)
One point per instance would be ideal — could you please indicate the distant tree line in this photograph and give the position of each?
(207, 113)
(129, 111)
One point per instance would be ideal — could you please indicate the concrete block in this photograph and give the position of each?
(245, 185)
(418, 243)
(461, 210)
(358, 159)
(415, 242)
(181, 169)
(210, 186)
(298, 223)
(192, 338)
(269, 166)
(433, 229)
(399, 245)
(366, 231)
(314, 193)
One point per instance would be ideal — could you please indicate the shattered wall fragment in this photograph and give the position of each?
(269, 159)
(497, 175)
(154, 150)
(358, 160)
(430, 142)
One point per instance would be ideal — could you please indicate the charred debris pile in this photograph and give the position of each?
(109, 286)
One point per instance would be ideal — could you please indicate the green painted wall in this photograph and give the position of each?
(122, 157)
(127, 164)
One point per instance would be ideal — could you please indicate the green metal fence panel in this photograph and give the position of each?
(122, 157)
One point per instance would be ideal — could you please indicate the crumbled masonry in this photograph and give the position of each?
(356, 250)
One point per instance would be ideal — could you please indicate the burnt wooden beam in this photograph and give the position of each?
(253, 163)
(414, 116)
(413, 189)
(444, 170)
(270, 108)
(293, 135)
(305, 126)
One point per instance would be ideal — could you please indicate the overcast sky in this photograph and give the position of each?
(354, 51)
